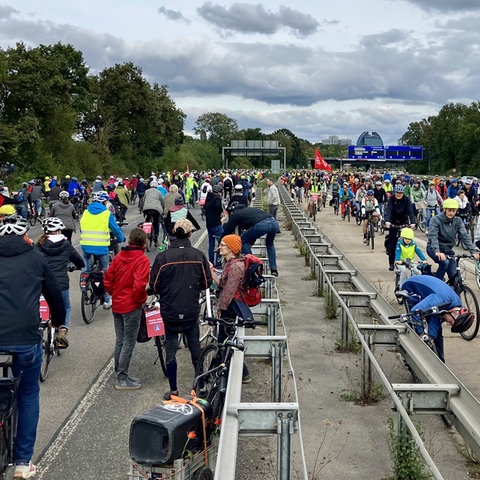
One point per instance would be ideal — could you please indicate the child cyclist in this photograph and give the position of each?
(404, 252)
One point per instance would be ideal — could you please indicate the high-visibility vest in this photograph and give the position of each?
(94, 229)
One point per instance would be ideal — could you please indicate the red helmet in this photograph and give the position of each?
(464, 321)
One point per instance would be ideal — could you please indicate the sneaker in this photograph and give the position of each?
(246, 379)
(127, 385)
(61, 338)
(274, 272)
(25, 471)
(107, 305)
(391, 267)
(168, 395)
(133, 379)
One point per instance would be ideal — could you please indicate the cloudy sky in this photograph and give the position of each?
(316, 67)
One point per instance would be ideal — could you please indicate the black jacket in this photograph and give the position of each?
(213, 210)
(179, 274)
(58, 254)
(244, 218)
(399, 212)
(24, 275)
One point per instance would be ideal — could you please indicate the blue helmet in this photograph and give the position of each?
(370, 192)
(399, 189)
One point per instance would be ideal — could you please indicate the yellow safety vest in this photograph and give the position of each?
(94, 229)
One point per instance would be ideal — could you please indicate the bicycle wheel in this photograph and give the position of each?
(470, 301)
(335, 207)
(314, 212)
(372, 234)
(160, 344)
(347, 213)
(89, 304)
(47, 352)
(421, 221)
(381, 228)
(206, 362)
(477, 273)
(32, 219)
(217, 399)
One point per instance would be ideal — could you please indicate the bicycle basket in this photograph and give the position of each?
(8, 393)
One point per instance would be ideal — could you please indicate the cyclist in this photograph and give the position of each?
(442, 235)
(97, 185)
(453, 188)
(65, 211)
(369, 207)
(417, 195)
(96, 224)
(153, 208)
(406, 250)
(346, 195)
(177, 212)
(179, 274)
(398, 212)
(433, 200)
(123, 196)
(25, 274)
(381, 196)
(36, 195)
(59, 252)
(427, 292)
(335, 192)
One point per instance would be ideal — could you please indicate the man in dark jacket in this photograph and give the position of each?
(213, 217)
(179, 274)
(24, 275)
(254, 223)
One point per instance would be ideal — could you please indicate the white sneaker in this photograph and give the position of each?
(107, 305)
(24, 471)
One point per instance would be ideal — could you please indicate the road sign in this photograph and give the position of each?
(404, 152)
(366, 151)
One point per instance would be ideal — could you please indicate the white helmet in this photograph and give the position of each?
(52, 224)
(14, 225)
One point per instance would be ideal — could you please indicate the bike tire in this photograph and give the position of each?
(32, 220)
(314, 213)
(470, 301)
(347, 214)
(477, 273)
(89, 304)
(421, 222)
(47, 352)
(217, 400)
(372, 234)
(208, 360)
(161, 349)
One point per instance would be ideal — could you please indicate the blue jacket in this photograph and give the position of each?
(95, 208)
(432, 292)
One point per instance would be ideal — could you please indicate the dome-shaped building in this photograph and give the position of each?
(372, 139)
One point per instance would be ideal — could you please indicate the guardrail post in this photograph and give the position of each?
(272, 319)
(366, 367)
(277, 354)
(345, 332)
(284, 445)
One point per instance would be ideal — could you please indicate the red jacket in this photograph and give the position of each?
(126, 279)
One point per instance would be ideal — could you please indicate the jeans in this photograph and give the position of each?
(192, 334)
(214, 236)
(104, 263)
(269, 227)
(447, 266)
(126, 331)
(38, 206)
(68, 307)
(27, 361)
(429, 212)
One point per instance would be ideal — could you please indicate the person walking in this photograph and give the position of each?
(153, 208)
(25, 274)
(273, 199)
(213, 217)
(179, 274)
(66, 212)
(126, 280)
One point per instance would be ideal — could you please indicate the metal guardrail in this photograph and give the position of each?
(441, 393)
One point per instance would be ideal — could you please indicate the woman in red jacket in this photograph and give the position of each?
(126, 280)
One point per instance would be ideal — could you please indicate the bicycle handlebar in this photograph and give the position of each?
(237, 322)
(436, 310)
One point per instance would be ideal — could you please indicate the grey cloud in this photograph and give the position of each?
(446, 5)
(172, 14)
(247, 18)
(6, 11)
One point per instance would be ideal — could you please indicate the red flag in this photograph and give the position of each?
(320, 163)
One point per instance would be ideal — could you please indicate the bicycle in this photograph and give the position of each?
(141, 202)
(370, 231)
(147, 227)
(312, 206)
(469, 299)
(424, 269)
(91, 285)
(49, 342)
(420, 220)
(208, 305)
(33, 216)
(8, 411)
(152, 314)
(348, 211)
(336, 204)
(211, 376)
(468, 222)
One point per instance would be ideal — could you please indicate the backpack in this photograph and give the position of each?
(249, 291)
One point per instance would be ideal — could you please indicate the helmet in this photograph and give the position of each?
(378, 183)
(450, 203)
(100, 196)
(233, 206)
(121, 184)
(47, 178)
(464, 321)
(468, 181)
(119, 179)
(52, 224)
(67, 176)
(63, 194)
(454, 180)
(217, 189)
(14, 225)
(179, 200)
(99, 177)
(370, 192)
(153, 184)
(7, 210)
(399, 189)
(387, 180)
(431, 183)
(238, 186)
(407, 233)
(24, 184)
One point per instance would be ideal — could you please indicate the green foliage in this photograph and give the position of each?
(216, 128)
(408, 463)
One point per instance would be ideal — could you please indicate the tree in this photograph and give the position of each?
(216, 128)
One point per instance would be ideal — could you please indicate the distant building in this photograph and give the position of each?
(335, 140)
(371, 139)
